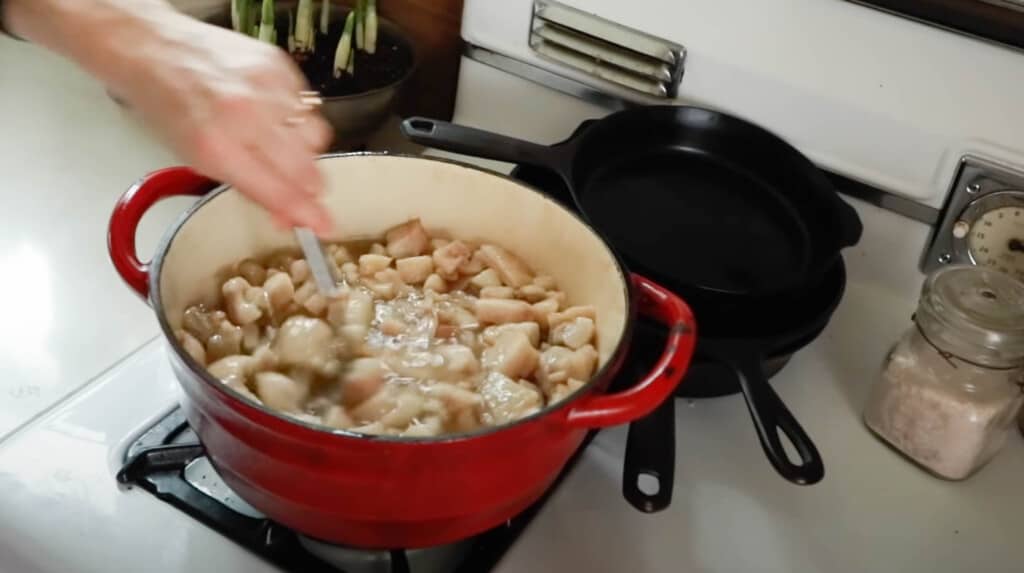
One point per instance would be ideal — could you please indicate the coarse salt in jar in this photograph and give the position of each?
(950, 389)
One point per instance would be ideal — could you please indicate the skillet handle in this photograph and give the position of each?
(657, 302)
(485, 144)
(651, 452)
(130, 208)
(770, 416)
(849, 222)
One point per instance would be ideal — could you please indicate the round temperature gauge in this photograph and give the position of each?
(990, 232)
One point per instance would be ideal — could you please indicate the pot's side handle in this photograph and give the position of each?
(658, 303)
(130, 209)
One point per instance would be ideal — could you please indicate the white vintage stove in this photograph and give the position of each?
(921, 127)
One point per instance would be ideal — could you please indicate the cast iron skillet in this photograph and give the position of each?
(745, 368)
(650, 446)
(716, 208)
(723, 212)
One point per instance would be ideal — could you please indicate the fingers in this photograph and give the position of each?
(281, 222)
(264, 182)
(300, 112)
(249, 169)
(289, 148)
(283, 74)
(315, 132)
(286, 153)
(254, 127)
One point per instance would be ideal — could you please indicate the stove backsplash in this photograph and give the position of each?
(872, 96)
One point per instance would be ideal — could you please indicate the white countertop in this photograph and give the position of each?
(66, 153)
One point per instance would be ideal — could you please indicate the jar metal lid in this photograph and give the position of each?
(975, 313)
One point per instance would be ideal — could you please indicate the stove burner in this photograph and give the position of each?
(443, 558)
(169, 462)
(157, 462)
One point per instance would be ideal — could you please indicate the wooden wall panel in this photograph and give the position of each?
(434, 26)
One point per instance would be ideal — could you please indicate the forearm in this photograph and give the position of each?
(98, 35)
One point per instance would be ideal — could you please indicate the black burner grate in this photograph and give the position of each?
(157, 463)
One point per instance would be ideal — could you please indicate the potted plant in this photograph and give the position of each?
(354, 58)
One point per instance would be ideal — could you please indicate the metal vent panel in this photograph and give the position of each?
(607, 51)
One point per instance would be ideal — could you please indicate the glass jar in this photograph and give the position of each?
(950, 389)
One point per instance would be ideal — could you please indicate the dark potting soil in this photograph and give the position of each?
(387, 65)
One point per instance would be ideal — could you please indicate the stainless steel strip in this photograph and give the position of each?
(326, 283)
(599, 70)
(847, 186)
(884, 199)
(555, 81)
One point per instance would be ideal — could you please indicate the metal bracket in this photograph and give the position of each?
(978, 183)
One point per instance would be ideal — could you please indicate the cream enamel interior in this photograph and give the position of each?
(367, 194)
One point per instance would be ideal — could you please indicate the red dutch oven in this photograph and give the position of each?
(381, 491)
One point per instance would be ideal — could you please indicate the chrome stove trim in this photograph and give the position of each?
(609, 99)
(976, 180)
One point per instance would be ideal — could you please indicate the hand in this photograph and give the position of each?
(229, 105)
(226, 103)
